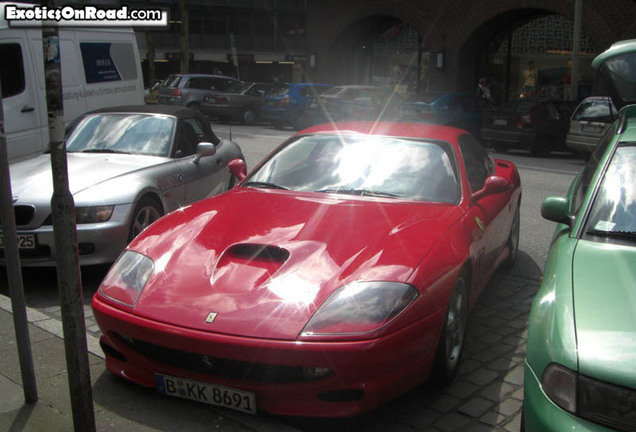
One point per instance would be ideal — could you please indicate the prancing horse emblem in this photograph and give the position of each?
(210, 317)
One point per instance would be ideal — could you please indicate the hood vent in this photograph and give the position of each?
(256, 252)
(244, 267)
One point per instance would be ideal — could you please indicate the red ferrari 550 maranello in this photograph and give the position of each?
(335, 276)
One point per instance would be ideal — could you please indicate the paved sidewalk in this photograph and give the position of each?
(486, 396)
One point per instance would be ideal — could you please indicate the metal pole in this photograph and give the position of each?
(576, 49)
(66, 251)
(14, 273)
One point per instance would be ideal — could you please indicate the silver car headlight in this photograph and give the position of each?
(94, 214)
(127, 278)
(597, 401)
(360, 308)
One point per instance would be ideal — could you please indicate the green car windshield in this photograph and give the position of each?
(613, 213)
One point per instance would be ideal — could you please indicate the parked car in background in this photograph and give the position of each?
(336, 276)
(538, 125)
(241, 101)
(127, 166)
(350, 102)
(463, 110)
(589, 122)
(580, 368)
(188, 89)
(285, 101)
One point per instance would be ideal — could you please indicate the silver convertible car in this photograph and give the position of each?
(127, 167)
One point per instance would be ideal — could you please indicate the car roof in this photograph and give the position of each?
(172, 110)
(397, 129)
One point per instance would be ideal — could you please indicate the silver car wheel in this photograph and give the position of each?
(146, 212)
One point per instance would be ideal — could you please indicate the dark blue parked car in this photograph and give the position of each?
(462, 110)
(285, 102)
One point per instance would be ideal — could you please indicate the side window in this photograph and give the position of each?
(476, 160)
(11, 69)
(588, 172)
(221, 83)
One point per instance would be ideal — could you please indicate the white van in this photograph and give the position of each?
(100, 68)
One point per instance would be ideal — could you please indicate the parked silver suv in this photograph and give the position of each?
(189, 89)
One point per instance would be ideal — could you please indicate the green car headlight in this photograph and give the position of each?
(96, 214)
(597, 401)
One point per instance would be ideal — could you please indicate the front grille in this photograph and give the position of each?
(23, 214)
(215, 366)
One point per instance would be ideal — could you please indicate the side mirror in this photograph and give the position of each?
(238, 168)
(204, 149)
(492, 185)
(557, 209)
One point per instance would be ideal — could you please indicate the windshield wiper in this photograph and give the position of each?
(266, 185)
(104, 151)
(360, 192)
(627, 235)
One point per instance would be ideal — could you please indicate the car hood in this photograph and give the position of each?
(605, 311)
(31, 180)
(263, 261)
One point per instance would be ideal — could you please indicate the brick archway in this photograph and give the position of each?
(456, 27)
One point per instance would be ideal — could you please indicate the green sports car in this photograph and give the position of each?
(580, 370)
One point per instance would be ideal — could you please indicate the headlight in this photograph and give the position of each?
(597, 401)
(85, 215)
(360, 308)
(127, 278)
(559, 384)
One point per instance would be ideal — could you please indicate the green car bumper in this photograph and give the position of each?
(542, 415)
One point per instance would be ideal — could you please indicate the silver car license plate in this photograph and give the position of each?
(25, 241)
(591, 128)
(207, 393)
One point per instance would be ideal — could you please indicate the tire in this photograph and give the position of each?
(146, 212)
(542, 146)
(513, 242)
(248, 116)
(451, 342)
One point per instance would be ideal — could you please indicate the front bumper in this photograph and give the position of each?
(98, 243)
(364, 374)
(582, 143)
(542, 415)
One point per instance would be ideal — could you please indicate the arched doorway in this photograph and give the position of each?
(507, 44)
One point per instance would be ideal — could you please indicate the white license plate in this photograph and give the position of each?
(25, 241)
(500, 122)
(590, 128)
(207, 393)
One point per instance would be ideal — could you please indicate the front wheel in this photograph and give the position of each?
(451, 342)
(146, 212)
(248, 116)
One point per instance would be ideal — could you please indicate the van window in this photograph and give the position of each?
(11, 69)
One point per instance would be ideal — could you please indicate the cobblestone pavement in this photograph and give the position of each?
(487, 395)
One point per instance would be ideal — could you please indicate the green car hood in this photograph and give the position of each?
(604, 277)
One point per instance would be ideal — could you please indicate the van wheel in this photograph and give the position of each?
(451, 342)
(146, 212)
(248, 116)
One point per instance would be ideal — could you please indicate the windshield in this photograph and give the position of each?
(238, 87)
(145, 134)
(362, 165)
(600, 110)
(620, 74)
(614, 209)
